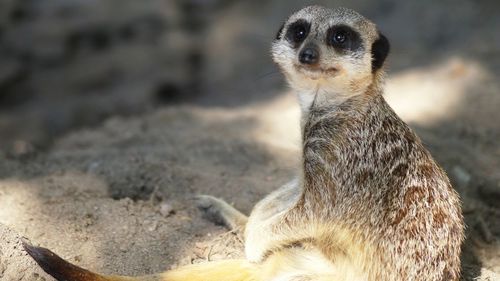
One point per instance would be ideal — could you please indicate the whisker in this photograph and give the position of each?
(260, 77)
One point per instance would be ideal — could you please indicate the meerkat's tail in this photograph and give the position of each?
(228, 270)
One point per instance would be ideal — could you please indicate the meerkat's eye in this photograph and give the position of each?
(298, 31)
(300, 34)
(339, 37)
(343, 37)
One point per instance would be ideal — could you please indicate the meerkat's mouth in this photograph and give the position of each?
(316, 72)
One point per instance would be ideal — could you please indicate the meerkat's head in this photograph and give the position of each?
(337, 51)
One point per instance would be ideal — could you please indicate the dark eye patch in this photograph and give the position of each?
(342, 37)
(297, 32)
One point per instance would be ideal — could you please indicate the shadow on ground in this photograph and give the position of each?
(132, 130)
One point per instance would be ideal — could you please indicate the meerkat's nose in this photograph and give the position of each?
(309, 55)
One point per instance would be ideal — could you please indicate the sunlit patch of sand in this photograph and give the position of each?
(429, 94)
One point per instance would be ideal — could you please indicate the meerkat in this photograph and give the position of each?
(369, 202)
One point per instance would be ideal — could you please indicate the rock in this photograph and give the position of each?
(461, 175)
(166, 209)
(22, 148)
(93, 167)
(123, 248)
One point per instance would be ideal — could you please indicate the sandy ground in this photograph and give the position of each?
(118, 199)
(116, 196)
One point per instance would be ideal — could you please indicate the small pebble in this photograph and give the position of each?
(166, 209)
(461, 175)
(123, 248)
(153, 226)
(93, 167)
(22, 148)
(200, 245)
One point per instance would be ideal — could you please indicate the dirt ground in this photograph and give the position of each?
(113, 190)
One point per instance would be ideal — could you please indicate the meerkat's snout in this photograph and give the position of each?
(309, 55)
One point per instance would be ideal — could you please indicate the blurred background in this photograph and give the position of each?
(72, 64)
(120, 108)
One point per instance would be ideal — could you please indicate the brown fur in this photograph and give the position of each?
(369, 202)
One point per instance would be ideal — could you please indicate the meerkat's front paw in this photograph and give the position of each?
(210, 206)
(220, 212)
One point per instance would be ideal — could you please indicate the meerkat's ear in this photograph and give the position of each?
(279, 35)
(380, 50)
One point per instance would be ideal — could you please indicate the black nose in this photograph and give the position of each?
(309, 55)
